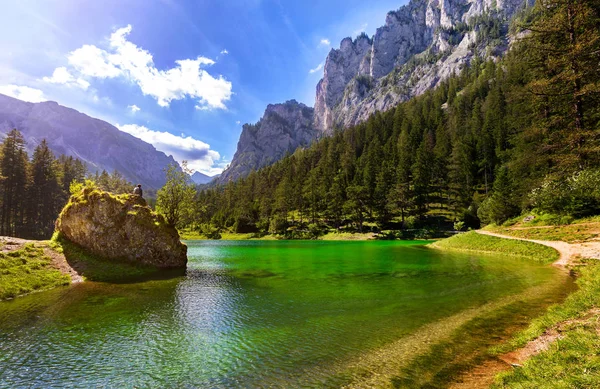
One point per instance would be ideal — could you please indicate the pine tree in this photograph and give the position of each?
(500, 206)
(71, 170)
(563, 52)
(422, 172)
(13, 174)
(44, 200)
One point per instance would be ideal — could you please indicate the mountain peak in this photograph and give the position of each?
(201, 178)
(421, 44)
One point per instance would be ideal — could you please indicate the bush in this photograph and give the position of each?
(411, 222)
(278, 225)
(210, 231)
(459, 225)
(577, 195)
(315, 230)
(244, 224)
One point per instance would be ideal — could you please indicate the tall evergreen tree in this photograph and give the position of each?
(563, 53)
(13, 174)
(44, 199)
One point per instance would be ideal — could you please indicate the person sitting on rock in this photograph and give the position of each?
(138, 190)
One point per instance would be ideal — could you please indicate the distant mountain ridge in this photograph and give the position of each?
(99, 144)
(420, 45)
(201, 178)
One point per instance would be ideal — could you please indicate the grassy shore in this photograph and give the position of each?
(28, 270)
(550, 227)
(190, 235)
(571, 361)
(474, 242)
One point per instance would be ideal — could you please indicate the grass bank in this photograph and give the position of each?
(27, 270)
(570, 330)
(474, 242)
(573, 360)
(191, 235)
(550, 227)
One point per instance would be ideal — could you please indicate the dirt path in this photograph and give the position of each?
(483, 376)
(8, 244)
(569, 252)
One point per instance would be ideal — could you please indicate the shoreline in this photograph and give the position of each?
(522, 348)
(338, 236)
(36, 257)
(509, 356)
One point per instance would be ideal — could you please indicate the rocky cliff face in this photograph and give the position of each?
(99, 144)
(420, 45)
(282, 129)
(121, 228)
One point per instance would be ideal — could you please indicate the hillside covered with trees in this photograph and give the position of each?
(34, 191)
(489, 143)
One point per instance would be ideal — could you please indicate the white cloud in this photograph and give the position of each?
(325, 42)
(124, 59)
(134, 108)
(319, 67)
(93, 62)
(198, 154)
(62, 76)
(224, 52)
(238, 122)
(24, 93)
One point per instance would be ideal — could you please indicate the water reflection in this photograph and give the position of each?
(251, 314)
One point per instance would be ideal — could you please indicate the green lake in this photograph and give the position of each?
(280, 314)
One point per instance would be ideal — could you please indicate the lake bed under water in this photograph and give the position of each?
(273, 314)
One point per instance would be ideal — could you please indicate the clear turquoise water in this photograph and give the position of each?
(258, 314)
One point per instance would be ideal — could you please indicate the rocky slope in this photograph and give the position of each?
(282, 129)
(96, 142)
(121, 228)
(420, 45)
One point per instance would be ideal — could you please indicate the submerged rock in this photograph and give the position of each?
(122, 228)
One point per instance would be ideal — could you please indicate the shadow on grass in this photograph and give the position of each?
(97, 268)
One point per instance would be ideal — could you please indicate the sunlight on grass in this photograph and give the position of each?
(27, 270)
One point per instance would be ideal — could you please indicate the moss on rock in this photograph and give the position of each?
(121, 228)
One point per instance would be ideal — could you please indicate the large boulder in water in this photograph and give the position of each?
(121, 227)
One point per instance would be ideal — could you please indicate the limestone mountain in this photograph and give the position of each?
(420, 45)
(282, 129)
(99, 144)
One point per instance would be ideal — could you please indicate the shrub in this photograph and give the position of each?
(210, 231)
(278, 225)
(459, 225)
(315, 230)
(577, 195)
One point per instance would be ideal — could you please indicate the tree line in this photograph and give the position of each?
(34, 191)
(483, 146)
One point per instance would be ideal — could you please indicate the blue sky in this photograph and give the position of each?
(183, 75)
